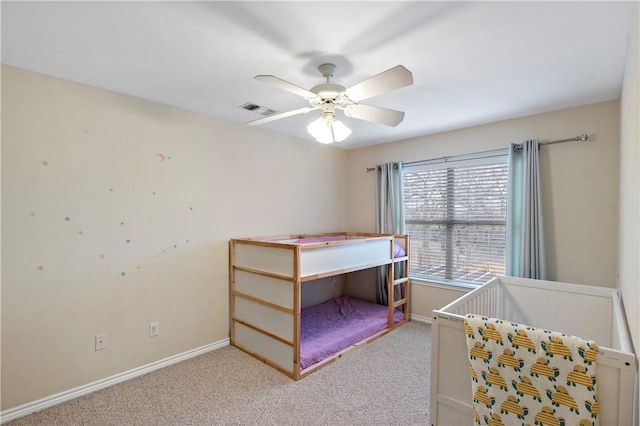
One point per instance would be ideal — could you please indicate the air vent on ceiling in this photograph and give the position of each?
(250, 106)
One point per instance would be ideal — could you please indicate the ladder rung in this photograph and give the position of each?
(400, 302)
(400, 281)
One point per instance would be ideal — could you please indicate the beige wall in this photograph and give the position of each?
(629, 263)
(145, 240)
(579, 180)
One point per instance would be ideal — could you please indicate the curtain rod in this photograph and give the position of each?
(583, 137)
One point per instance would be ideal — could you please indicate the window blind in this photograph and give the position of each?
(455, 215)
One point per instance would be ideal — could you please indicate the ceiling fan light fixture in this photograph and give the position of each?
(327, 129)
(329, 96)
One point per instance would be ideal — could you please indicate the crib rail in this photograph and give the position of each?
(620, 337)
(487, 300)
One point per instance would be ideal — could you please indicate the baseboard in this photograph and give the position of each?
(420, 318)
(50, 401)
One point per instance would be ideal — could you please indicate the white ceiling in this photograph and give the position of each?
(472, 62)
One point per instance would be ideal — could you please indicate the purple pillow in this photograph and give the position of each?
(398, 250)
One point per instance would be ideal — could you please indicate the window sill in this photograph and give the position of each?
(448, 285)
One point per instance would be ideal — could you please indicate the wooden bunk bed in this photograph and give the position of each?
(267, 319)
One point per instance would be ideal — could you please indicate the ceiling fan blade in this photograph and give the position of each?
(391, 79)
(386, 116)
(275, 117)
(285, 85)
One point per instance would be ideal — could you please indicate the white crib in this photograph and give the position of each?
(590, 312)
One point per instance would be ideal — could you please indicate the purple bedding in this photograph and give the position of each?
(398, 250)
(323, 239)
(336, 324)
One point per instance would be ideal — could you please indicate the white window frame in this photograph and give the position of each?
(476, 159)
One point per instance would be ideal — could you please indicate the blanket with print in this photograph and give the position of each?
(525, 375)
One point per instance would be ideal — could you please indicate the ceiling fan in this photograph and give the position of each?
(328, 97)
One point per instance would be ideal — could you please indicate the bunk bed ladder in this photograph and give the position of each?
(398, 271)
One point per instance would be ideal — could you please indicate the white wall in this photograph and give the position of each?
(579, 181)
(629, 263)
(102, 234)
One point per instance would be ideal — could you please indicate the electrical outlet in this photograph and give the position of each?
(101, 342)
(154, 329)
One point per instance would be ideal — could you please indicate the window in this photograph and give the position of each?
(455, 214)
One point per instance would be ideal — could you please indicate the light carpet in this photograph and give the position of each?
(384, 383)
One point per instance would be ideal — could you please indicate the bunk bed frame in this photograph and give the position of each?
(266, 275)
